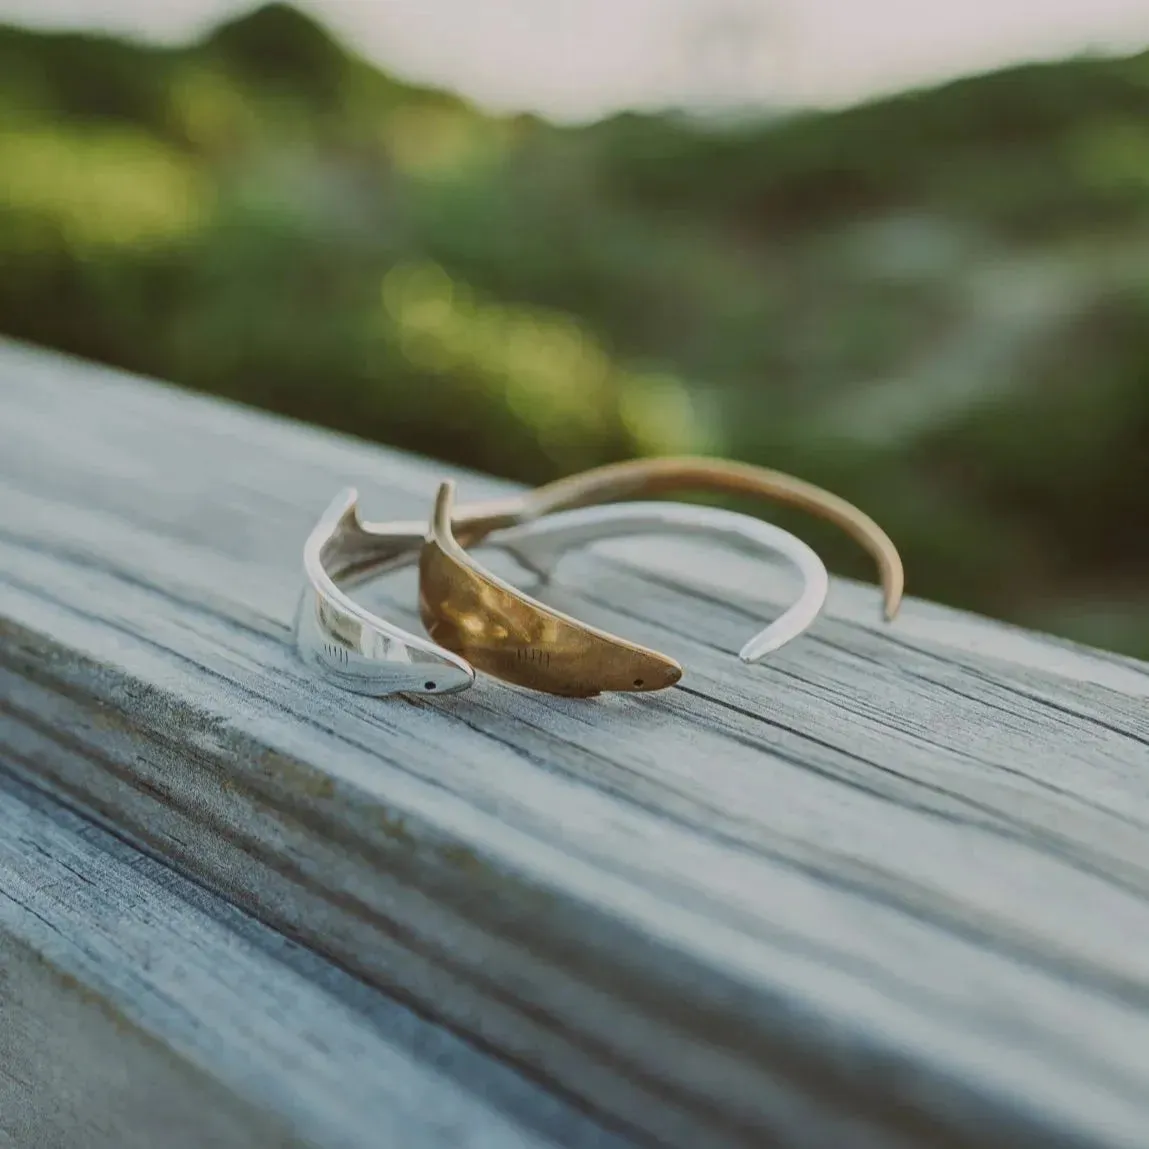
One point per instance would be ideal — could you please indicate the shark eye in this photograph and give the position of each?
(428, 686)
(638, 682)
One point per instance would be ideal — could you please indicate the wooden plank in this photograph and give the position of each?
(138, 1010)
(887, 889)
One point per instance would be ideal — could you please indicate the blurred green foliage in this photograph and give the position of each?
(936, 304)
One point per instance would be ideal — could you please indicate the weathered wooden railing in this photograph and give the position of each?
(887, 889)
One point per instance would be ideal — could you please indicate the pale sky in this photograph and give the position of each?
(580, 58)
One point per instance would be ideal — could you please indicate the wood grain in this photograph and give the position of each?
(139, 1010)
(888, 888)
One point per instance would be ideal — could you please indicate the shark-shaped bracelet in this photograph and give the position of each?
(513, 636)
(368, 654)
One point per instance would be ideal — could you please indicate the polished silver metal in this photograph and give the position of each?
(361, 652)
(347, 643)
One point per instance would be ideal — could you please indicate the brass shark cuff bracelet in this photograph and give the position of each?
(504, 632)
(515, 637)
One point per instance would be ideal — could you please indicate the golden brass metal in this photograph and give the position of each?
(514, 637)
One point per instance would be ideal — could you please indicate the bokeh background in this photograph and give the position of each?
(902, 253)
